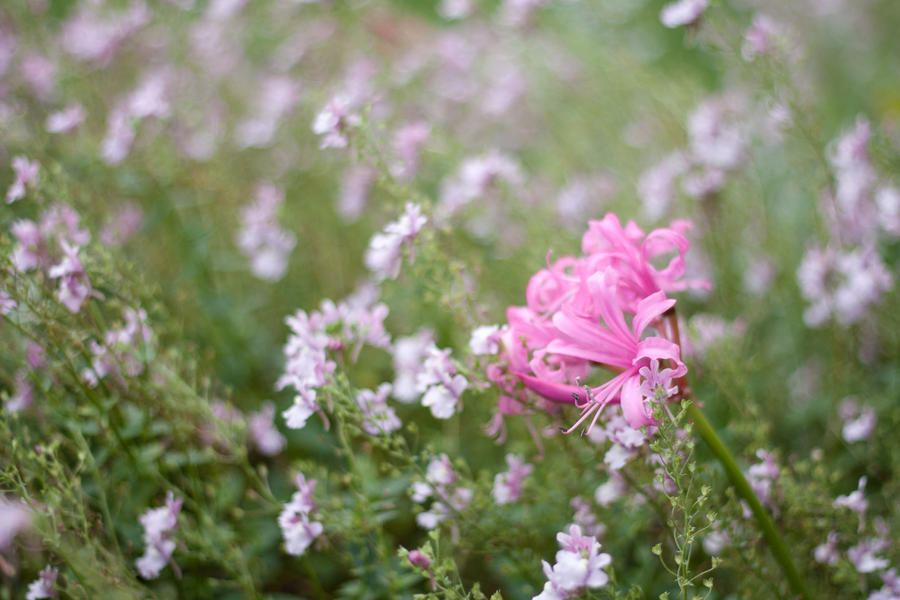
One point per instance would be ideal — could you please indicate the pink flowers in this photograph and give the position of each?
(157, 523)
(607, 309)
(385, 253)
(508, 486)
(261, 239)
(26, 175)
(579, 565)
(297, 529)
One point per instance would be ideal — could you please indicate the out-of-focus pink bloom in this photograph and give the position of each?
(440, 383)
(656, 186)
(23, 395)
(74, 286)
(89, 36)
(841, 284)
(334, 121)
(476, 177)
(378, 416)
(44, 586)
(418, 559)
(612, 490)
(14, 518)
(585, 518)
(891, 589)
(485, 340)
(682, 12)
(441, 484)
(455, 9)
(508, 486)
(65, 120)
(39, 72)
(582, 198)
(827, 553)
(855, 501)
(864, 555)
(716, 540)
(760, 37)
(35, 355)
(7, 304)
(261, 239)
(294, 520)
(407, 146)
(26, 175)
(518, 13)
(158, 523)
(354, 192)
(124, 223)
(265, 435)
(409, 356)
(888, 201)
(277, 98)
(761, 477)
(858, 422)
(385, 252)
(716, 129)
(579, 565)
(759, 275)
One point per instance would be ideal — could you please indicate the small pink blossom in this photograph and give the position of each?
(294, 520)
(485, 340)
(261, 238)
(26, 176)
(440, 383)
(441, 484)
(508, 486)
(682, 12)
(334, 121)
(265, 435)
(66, 120)
(158, 523)
(354, 193)
(579, 565)
(15, 517)
(827, 553)
(378, 416)
(74, 287)
(44, 586)
(858, 422)
(385, 253)
(864, 555)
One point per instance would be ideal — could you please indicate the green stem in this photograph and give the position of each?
(766, 526)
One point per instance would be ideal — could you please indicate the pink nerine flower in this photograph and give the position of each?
(157, 523)
(596, 311)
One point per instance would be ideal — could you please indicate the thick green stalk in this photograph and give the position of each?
(766, 526)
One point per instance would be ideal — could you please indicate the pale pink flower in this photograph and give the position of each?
(864, 555)
(440, 383)
(26, 176)
(378, 416)
(354, 193)
(294, 520)
(44, 586)
(23, 395)
(455, 9)
(122, 225)
(858, 422)
(827, 553)
(682, 12)
(441, 484)
(261, 238)
(409, 356)
(508, 485)
(485, 339)
(407, 146)
(65, 120)
(265, 435)
(760, 37)
(158, 523)
(656, 186)
(579, 565)
(74, 286)
(15, 517)
(334, 121)
(385, 253)
(855, 501)
(585, 518)
(612, 490)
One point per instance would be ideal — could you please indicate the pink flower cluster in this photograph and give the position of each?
(508, 485)
(441, 485)
(607, 309)
(847, 277)
(158, 523)
(385, 253)
(124, 350)
(378, 416)
(34, 250)
(298, 531)
(15, 517)
(261, 239)
(44, 586)
(347, 325)
(440, 383)
(26, 175)
(579, 565)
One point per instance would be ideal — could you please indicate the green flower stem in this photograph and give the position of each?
(766, 526)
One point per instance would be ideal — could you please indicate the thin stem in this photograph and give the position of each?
(766, 526)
